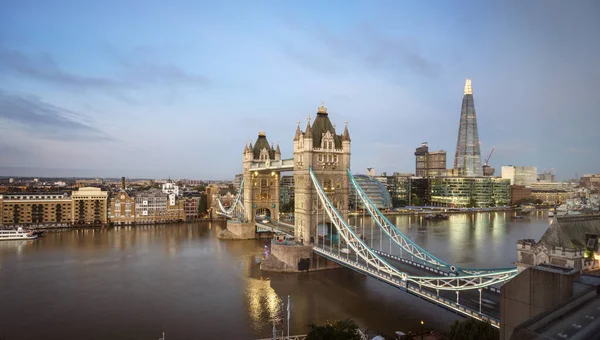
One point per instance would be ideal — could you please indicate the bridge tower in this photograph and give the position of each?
(328, 154)
(261, 190)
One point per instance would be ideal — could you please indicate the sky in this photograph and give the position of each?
(175, 89)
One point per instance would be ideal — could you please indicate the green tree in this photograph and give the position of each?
(471, 329)
(339, 330)
(202, 205)
(417, 201)
(287, 207)
(398, 202)
(472, 203)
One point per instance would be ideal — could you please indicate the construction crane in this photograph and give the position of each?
(489, 156)
(487, 170)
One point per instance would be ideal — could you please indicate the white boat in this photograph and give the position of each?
(19, 234)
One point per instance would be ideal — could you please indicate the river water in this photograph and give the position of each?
(137, 282)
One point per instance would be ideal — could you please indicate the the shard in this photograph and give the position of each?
(467, 160)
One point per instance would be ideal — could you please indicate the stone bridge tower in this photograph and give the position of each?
(328, 154)
(261, 190)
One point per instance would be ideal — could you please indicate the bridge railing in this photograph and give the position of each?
(375, 261)
(406, 243)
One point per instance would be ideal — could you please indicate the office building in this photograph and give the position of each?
(476, 192)
(520, 175)
(467, 160)
(429, 164)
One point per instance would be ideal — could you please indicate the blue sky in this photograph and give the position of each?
(158, 89)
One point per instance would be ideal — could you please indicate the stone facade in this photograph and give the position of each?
(90, 206)
(121, 209)
(328, 154)
(570, 241)
(261, 190)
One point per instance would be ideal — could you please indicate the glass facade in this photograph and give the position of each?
(374, 189)
(467, 160)
(476, 192)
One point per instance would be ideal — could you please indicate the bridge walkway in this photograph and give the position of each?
(468, 300)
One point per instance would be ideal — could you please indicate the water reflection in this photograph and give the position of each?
(183, 280)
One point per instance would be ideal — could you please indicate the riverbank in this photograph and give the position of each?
(69, 226)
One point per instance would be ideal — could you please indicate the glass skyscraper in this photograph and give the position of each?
(467, 160)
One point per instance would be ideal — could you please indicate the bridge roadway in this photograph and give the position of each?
(277, 227)
(467, 298)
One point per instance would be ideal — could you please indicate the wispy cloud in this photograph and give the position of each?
(42, 66)
(373, 49)
(47, 120)
(132, 73)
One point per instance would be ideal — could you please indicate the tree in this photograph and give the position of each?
(287, 207)
(471, 329)
(339, 330)
(398, 202)
(202, 205)
(472, 203)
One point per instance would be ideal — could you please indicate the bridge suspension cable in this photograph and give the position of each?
(448, 283)
(406, 243)
(236, 202)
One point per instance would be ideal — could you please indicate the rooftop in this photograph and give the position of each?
(571, 231)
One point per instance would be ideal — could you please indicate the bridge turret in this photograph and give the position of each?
(328, 153)
(277, 153)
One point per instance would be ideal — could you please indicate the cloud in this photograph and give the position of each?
(42, 66)
(132, 73)
(375, 50)
(47, 120)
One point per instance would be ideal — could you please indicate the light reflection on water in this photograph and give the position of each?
(183, 280)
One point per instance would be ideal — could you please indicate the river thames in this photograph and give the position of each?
(137, 282)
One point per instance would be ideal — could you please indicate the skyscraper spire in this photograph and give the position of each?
(468, 87)
(467, 160)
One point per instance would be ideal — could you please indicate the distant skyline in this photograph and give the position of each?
(114, 88)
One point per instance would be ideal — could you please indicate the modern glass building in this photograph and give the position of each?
(467, 160)
(480, 192)
(374, 189)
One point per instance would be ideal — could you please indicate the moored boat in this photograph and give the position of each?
(19, 234)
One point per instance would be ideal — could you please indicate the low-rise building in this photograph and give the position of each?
(570, 241)
(465, 192)
(121, 210)
(154, 206)
(191, 205)
(35, 209)
(518, 193)
(90, 206)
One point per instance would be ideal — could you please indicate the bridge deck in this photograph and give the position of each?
(468, 300)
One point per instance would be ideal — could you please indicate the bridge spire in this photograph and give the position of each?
(346, 136)
(322, 109)
(298, 132)
(308, 133)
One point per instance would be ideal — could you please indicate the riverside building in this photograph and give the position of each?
(36, 209)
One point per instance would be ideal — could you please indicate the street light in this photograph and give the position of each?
(422, 323)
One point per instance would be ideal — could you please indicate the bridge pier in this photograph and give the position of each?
(237, 230)
(294, 258)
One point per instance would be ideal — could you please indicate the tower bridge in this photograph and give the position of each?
(321, 237)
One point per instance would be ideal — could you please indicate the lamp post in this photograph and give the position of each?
(422, 323)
